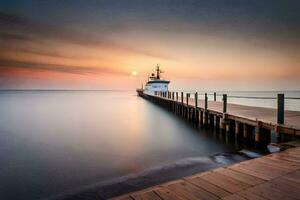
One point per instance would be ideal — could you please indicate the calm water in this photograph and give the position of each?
(58, 142)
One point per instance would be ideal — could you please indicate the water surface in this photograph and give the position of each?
(55, 142)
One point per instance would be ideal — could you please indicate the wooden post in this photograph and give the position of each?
(211, 120)
(245, 131)
(217, 122)
(187, 98)
(205, 113)
(181, 97)
(228, 127)
(257, 130)
(215, 96)
(224, 103)
(201, 117)
(196, 114)
(181, 109)
(206, 103)
(187, 106)
(196, 100)
(176, 96)
(280, 108)
(237, 128)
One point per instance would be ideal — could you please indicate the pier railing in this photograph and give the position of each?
(217, 110)
(187, 96)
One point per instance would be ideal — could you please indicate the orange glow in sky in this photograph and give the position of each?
(120, 52)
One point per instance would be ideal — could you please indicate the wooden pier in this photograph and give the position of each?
(275, 176)
(256, 124)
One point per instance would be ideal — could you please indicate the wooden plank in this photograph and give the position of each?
(259, 170)
(145, 196)
(234, 197)
(291, 188)
(279, 163)
(255, 173)
(209, 187)
(285, 157)
(266, 168)
(166, 194)
(256, 179)
(269, 192)
(294, 176)
(250, 196)
(227, 183)
(187, 190)
(243, 177)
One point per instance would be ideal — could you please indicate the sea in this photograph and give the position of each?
(66, 144)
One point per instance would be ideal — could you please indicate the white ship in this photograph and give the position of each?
(154, 84)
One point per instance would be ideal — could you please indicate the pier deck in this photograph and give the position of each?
(275, 176)
(213, 114)
(266, 115)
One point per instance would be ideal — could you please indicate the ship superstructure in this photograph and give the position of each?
(155, 83)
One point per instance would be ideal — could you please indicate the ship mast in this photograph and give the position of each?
(158, 72)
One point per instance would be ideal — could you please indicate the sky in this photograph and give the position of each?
(200, 45)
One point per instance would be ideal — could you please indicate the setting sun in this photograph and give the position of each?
(134, 73)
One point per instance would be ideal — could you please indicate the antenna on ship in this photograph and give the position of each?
(158, 72)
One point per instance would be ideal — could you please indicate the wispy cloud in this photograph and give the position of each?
(16, 28)
(7, 65)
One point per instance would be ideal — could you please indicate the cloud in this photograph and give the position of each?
(21, 29)
(9, 66)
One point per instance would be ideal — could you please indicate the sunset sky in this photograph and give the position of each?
(203, 45)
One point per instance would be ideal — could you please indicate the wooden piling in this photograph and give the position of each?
(211, 120)
(257, 134)
(224, 103)
(196, 114)
(201, 113)
(237, 128)
(245, 131)
(181, 106)
(206, 102)
(280, 108)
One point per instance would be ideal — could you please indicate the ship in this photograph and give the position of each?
(154, 84)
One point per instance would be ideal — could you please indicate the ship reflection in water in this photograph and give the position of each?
(55, 142)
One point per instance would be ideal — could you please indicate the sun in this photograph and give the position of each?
(134, 73)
